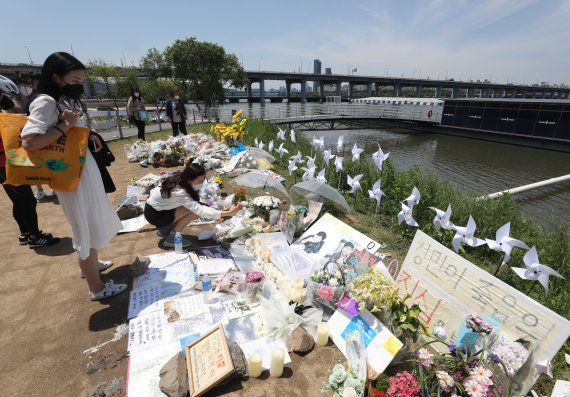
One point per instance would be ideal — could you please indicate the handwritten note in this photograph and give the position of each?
(144, 300)
(209, 361)
(133, 224)
(215, 266)
(182, 308)
(240, 308)
(447, 288)
(146, 331)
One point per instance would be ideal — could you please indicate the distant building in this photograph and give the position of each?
(328, 71)
(316, 70)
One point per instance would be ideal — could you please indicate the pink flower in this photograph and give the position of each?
(482, 375)
(425, 358)
(403, 384)
(445, 380)
(474, 388)
(254, 277)
(325, 292)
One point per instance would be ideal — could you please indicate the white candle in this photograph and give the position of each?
(254, 365)
(297, 295)
(277, 362)
(299, 284)
(323, 334)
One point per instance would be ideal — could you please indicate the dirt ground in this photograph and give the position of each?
(48, 320)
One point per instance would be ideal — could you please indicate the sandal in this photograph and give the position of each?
(111, 289)
(103, 265)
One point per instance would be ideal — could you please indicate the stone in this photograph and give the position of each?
(115, 388)
(139, 266)
(239, 360)
(174, 377)
(301, 341)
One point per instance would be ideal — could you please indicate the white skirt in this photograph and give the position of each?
(93, 219)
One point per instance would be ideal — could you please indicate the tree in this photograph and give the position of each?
(153, 65)
(157, 91)
(201, 69)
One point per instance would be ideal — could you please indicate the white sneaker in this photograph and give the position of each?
(103, 265)
(111, 289)
(39, 195)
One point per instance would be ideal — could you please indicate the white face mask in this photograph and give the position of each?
(176, 97)
(137, 94)
(198, 186)
(25, 90)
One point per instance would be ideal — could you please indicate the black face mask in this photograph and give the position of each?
(5, 102)
(73, 91)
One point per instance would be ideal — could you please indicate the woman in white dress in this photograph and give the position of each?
(91, 215)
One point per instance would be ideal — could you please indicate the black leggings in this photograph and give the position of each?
(23, 205)
(179, 126)
(140, 128)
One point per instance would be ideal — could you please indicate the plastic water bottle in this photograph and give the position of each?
(178, 243)
(207, 288)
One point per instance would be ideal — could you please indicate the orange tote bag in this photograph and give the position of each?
(58, 165)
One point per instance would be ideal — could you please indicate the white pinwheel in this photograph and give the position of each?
(327, 156)
(311, 161)
(270, 146)
(356, 152)
(291, 167)
(281, 135)
(354, 183)
(535, 270)
(255, 141)
(260, 145)
(338, 163)
(466, 235)
(293, 137)
(309, 174)
(340, 144)
(413, 198)
(442, 218)
(376, 193)
(405, 215)
(321, 176)
(319, 143)
(297, 158)
(505, 243)
(379, 157)
(281, 150)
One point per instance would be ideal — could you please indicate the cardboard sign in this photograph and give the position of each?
(447, 288)
(381, 345)
(209, 361)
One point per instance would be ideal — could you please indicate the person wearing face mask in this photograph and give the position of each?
(176, 202)
(176, 113)
(134, 104)
(92, 217)
(22, 196)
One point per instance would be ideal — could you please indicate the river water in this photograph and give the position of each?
(476, 166)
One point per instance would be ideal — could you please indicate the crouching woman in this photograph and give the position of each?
(175, 203)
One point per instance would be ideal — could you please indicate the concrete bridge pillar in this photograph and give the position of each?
(249, 93)
(397, 90)
(503, 93)
(322, 92)
(419, 91)
(369, 89)
(513, 93)
(338, 88)
(470, 92)
(262, 91)
(350, 90)
(525, 92)
(455, 92)
(288, 90)
(438, 91)
(303, 91)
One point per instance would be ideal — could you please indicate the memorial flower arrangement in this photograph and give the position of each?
(230, 134)
(240, 194)
(343, 383)
(263, 204)
(513, 354)
(326, 286)
(374, 292)
(254, 285)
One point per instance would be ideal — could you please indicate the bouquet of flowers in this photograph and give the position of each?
(240, 194)
(513, 354)
(230, 134)
(344, 383)
(254, 285)
(374, 292)
(326, 286)
(137, 151)
(263, 204)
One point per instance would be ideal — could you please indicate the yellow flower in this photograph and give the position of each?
(238, 114)
(218, 180)
(133, 179)
(242, 123)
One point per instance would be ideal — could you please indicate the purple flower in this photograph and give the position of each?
(452, 349)
(495, 358)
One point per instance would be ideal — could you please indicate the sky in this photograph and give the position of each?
(518, 41)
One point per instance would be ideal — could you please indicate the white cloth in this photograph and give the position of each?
(93, 220)
(180, 198)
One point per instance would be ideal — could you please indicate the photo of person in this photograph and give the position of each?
(313, 243)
